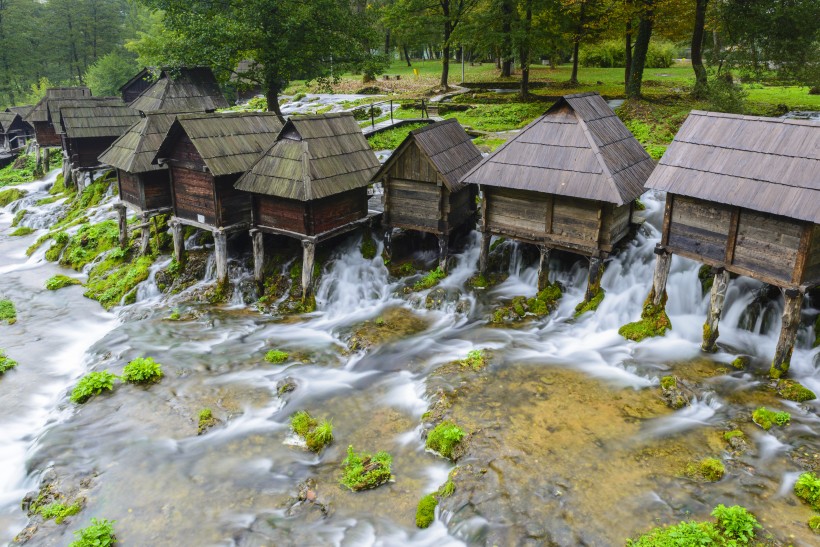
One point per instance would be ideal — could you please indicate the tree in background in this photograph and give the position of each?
(108, 74)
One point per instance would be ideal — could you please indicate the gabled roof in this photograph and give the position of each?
(143, 74)
(43, 112)
(6, 121)
(182, 90)
(313, 157)
(22, 110)
(109, 117)
(579, 148)
(227, 142)
(448, 147)
(770, 165)
(135, 150)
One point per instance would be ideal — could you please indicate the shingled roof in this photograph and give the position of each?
(227, 142)
(43, 110)
(182, 90)
(770, 165)
(579, 148)
(6, 120)
(313, 157)
(22, 110)
(135, 150)
(109, 117)
(448, 147)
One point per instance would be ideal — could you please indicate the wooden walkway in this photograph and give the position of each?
(389, 124)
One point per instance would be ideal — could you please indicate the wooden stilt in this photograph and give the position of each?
(388, 243)
(788, 333)
(145, 235)
(543, 268)
(716, 300)
(258, 255)
(221, 252)
(484, 257)
(596, 272)
(46, 159)
(443, 251)
(122, 215)
(179, 241)
(308, 259)
(662, 266)
(38, 157)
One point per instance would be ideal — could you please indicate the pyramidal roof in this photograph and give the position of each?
(135, 150)
(47, 109)
(313, 157)
(182, 90)
(578, 148)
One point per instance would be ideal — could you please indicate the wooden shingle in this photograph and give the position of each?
(135, 150)
(182, 90)
(109, 117)
(44, 111)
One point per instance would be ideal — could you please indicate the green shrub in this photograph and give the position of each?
(92, 384)
(766, 418)
(320, 436)
(58, 511)
(611, 54)
(276, 356)
(735, 527)
(807, 488)
(302, 422)
(476, 359)
(735, 523)
(7, 312)
(99, 534)
(363, 471)
(426, 511)
(6, 363)
(814, 524)
(59, 281)
(725, 96)
(444, 438)
(142, 370)
(429, 280)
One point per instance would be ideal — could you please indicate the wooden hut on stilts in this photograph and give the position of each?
(45, 118)
(568, 181)
(89, 129)
(206, 155)
(422, 184)
(14, 131)
(311, 185)
(743, 196)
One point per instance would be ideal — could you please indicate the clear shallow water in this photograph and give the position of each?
(166, 486)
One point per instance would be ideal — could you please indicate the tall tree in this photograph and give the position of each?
(633, 88)
(697, 48)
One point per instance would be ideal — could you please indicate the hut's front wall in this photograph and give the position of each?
(234, 205)
(130, 93)
(45, 134)
(130, 189)
(193, 193)
(279, 213)
(812, 271)
(615, 223)
(759, 245)
(576, 222)
(460, 206)
(412, 204)
(336, 211)
(85, 152)
(520, 214)
(157, 189)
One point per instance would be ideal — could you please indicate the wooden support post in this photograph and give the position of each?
(308, 259)
(145, 235)
(662, 266)
(179, 240)
(388, 243)
(38, 157)
(596, 272)
(543, 268)
(46, 159)
(258, 255)
(221, 252)
(122, 215)
(788, 333)
(443, 251)
(484, 257)
(716, 300)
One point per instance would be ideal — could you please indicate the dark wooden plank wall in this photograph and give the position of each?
(136, 89)
(234, 206)
(284, 214)
(576, 221)
(413, 165)
(193, 194)
(767, 244)
(517, 213)
(157, 189)
(185, 151)
(336, 211)
(811, 275)
(699, 228)
(130, 188)
(615, 223)
(45, 134)
(84, 152)
(412, 204)
(461, 206)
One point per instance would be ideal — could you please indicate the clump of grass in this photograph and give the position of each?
(302, 422)
(99, 534)
(60, 281)
(733, 526)
(732, 434)
(426, 511)
(7, 311)
(276, 356)
(6, 363)
(316, 435)
(58, 511)
(22, 231)
(429, 280)
(814, 524)
(669, 382)
(175, 315)
(476, 359)
(708, 469)
(766, 418)
(142, 370)
(807, 488)
(206, 421)
(92, 384)
(363, 471)
(444, 438)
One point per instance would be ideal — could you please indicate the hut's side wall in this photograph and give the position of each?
(699, 228)
(337, 211)
(461, 206)
(193, 193)
(811, 275)
(46, 135)
(615, 224)
(233, 205)
(84, 152)
(157, 188)
(576, 221)
(130, 188)
(517, 213)
(412, 204)
(767, 244)
(279, 213)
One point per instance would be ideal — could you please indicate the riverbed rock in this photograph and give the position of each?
(393, 324)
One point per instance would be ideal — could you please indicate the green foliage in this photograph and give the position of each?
(114, 280)
(276, 356)
(109, 73)
(92, 384)
(490, 143)
(807, 488)
(7, 311)
(302, 422)
(611, 54)
(444, 438)
(431, 279)
(814, 524)
(368, 248)
(794, 391)
(99, 534)
(426, 511)
(142, 370)
(390, 139)
(734, 527)
(732, 434)
(669, 382)
(206, 420)
(363, 471)
(18, 217)
(476, 359)
(11, 194)
(6, 363)
(59, 281)
(20, 171)
(725, 96)
(708, 469)
(23, 231)
(766, 418)
(58, 511)
(89, 243)
(736, 523)
(653, 322)
(320, 436)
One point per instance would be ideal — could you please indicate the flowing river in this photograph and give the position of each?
(571, 444)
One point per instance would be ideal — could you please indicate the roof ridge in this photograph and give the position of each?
(597, 151)
(306, 179)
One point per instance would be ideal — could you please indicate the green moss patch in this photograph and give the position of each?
(316, 435)
(814, 524)
(794, 391)
(653, 322)
(10, 195)
(60, 281)
(22, 231)
(430, 280)
(114, 280)
(708, 470)
(740, 362)
(18, 217)
(520, 307)
(276, 356)
(735, 433)
(426, 511)
(807, 488)
(444, 438)
(93, 383)
(7, 311)
(6, 363)
(363, 471)
(766, 418)
(591, 304)
(476, 359)
(368, 248)
(59, 511)
(90, 241)
(205, 421)
(99, 534)
(669, 382)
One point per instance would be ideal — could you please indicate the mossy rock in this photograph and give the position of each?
(766, 418)
(741, 362)
(60, 281)
(393, 324)
(363, 471)
(591, 304)
(520, 307)
(205, 421)
(11, 194)
(653, 322)
(426, 511)
(707, 470)
(8, 313)
(446, 439)
(794, 391)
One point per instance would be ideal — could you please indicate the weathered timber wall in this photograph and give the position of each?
(412, 204)
(156, 189)
(517, 213)
(234, 206)
(767, 244)
(84, 152)
(413, 165)
(284, 214)
(336, 211)
(45, 134)
(698, 227)
(130, 188)
(576, 221)
(134, 90)
(193, 195)
(811, 275)
(461, 206)
(615, 224)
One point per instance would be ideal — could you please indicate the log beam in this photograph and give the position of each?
(179, 240)
(388, 243)
(221, 252)
(596, 272)
(308, 260)
(122, 217)
(258, 255)
(788, 333)
(145, 235)
(662, 266)
(484, 257)
(716, 301)
(443, 251)
(543, 267)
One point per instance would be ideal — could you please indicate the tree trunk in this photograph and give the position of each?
(697, 49)
(406, 55)
(576, 43)
(506, 43)
(525, 52)
(628, 53)
(272, 96)
(633, 88)
(387, 42)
